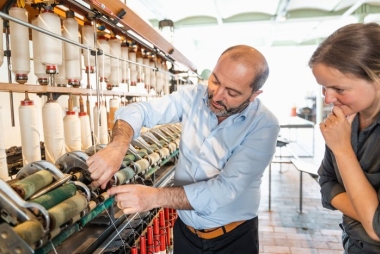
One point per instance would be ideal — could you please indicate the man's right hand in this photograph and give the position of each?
(105, 163)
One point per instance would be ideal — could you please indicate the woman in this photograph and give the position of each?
(347, 66)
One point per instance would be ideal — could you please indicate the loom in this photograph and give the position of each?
(54, 207)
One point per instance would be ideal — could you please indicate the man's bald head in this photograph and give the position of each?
(253, 59)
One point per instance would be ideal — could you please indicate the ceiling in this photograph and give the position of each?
(201, 24)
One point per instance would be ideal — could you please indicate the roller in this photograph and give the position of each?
(30, 231)
(124, 175)
(56, 196)
(143, 164)
(33, 183)
(154, 157)
(129, 158)
(66, 210)
(142, 152)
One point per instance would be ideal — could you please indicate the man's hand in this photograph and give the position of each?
(133, 198)
(104, 164)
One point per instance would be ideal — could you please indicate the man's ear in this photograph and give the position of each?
(254, 95)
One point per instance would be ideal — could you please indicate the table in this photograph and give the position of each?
(295, 122)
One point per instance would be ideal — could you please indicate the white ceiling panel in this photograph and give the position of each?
(270, 22)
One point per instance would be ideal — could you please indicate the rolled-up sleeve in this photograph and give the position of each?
(167, 109)
(328, 180)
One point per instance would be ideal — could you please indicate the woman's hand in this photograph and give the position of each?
(336, 129)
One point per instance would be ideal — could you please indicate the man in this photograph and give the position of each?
(228, 138)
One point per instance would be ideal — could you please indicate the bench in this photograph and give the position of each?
(300, 165)
(304, 167)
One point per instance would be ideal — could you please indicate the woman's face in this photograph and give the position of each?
(345, 91)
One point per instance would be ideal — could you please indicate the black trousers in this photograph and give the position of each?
(243, 239)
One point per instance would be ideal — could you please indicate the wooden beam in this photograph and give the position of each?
(131, 20)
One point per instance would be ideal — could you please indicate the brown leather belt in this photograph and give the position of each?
(215, 232)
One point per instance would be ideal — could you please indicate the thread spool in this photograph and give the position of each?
(39, 68)
(143, 165)
(31, 184)
(167, 225)
(20, 45)
(1, 44)
(165, 78)
(29, 130)
(142, 244)
(129, 158)
(115, 50)
(146, 70)
(88, 39)
(30, 231)
(4, 175)
(139, 60)
(154, 158)
(60, 76)
(72, 52)
(124, 64)
(56, 196)
(124, 175)
(114, 105)
(160, 77)
(149, 239)
(66, 210)
(84, 126)
(162, 232)
(100, 124)
(152, 63)
(156, 235)
(51, 48)
(104, 61)
(72, 129)
(53, 130)
(132, 67)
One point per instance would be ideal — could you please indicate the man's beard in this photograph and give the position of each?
(226, 112)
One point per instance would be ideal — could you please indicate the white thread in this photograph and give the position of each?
(55, 251)
(115, 49)
(100, 125)
(133, 70)
(39, 68)
(104, 61)
(53, 131)
(117, 231)
(165, 78)
(153, 85)
(3, 157)
(72, 131)
(159, 81)
(114, 105)
(85, 131)
(72, 52)
(48, 44)
(88, 39)
(19, 42)
(60, 76)
(29, 130)
(124, 64)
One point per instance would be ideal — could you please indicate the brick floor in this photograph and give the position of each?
(284, 229)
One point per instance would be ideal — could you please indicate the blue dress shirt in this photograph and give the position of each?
(220, 165)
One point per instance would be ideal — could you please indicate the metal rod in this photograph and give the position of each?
(9, 73)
